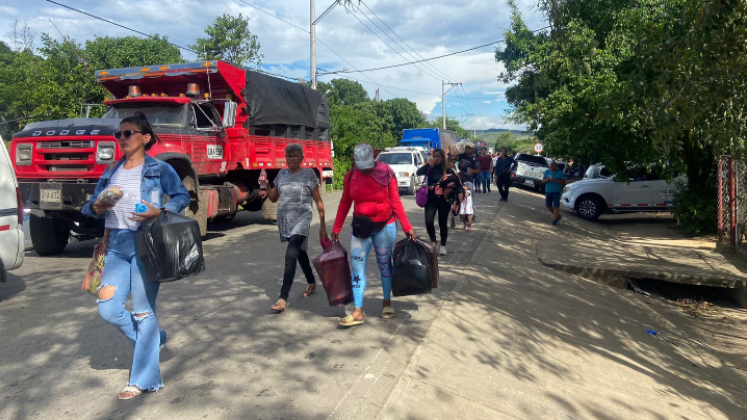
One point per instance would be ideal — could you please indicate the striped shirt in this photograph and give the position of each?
(129, 181)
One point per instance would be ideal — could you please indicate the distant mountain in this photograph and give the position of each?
(503, 130)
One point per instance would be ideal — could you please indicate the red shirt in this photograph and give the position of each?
(485, 162)
(371, 199)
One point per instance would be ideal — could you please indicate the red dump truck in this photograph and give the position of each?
(219, 126)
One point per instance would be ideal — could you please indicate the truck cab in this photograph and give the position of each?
(219, 127)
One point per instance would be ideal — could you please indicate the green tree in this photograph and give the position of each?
(229, 39)
(399, 114)
(112, 53)
(348, 92)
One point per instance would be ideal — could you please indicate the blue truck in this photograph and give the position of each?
(428, 138)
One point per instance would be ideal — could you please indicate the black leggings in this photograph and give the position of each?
(440, 206)
(292, 254)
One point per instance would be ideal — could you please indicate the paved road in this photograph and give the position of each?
(504, 337)
(227, 357)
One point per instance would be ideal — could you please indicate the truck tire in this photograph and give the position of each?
(49, 236)
(589, 207)
(411, 188)
(270, 210)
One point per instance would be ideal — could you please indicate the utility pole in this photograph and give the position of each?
(443, 96)
(313, 44)
(377, 98)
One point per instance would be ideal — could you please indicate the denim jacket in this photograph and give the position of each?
(159, 178)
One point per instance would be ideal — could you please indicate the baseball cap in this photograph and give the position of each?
(364, 157)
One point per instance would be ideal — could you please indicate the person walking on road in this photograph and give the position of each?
(143, 181)
(504, 164)
(371, 187)
(486, 170)
(554, 181)
(295, 188)
(434, 170)
(469, 167)
(465, 210)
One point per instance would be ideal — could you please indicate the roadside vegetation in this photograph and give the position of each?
(658, 83)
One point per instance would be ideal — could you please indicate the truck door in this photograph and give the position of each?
(207, 139)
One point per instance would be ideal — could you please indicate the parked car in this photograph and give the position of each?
(597, 171)
(562, 165)
(645, 193)
(529, 170)
(12, 237)
(405, 161)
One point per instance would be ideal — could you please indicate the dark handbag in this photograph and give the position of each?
(170, 247)
(334, 271)
(364, 227)
(421, 199)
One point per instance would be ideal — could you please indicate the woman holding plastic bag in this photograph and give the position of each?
(296, 188)
(371, 188)
(128, 194)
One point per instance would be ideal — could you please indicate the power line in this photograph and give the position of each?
(432, 58)
(308, 32)
(117, 24)
(446, 76)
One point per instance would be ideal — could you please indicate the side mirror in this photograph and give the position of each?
(229, 114)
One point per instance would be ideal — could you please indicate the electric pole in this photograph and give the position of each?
(443, 96)
(312, 32)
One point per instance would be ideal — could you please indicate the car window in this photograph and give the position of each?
(604, 172)
(396, 158)
(537, 160)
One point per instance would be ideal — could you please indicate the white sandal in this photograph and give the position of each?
(135, 391)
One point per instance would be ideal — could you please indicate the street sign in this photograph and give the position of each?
(538, 148)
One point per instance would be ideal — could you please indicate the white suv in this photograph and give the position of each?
(405, 161)
(589, 198)
(11, 217)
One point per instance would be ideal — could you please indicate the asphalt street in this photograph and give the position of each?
(227, 357)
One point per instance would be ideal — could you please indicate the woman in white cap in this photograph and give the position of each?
(372, 189)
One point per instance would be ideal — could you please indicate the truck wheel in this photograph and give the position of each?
(49, 236)
(270, 210)
(589, 208)
(411, 188)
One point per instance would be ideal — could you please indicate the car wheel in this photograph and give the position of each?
(589, 208)
(49, 236)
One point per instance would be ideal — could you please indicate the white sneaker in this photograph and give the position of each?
(442, 251)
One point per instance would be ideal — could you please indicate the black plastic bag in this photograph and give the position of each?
(430, 252)
(333, 268)
(170, 247)
(412, 272)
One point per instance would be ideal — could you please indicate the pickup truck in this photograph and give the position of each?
(529, 170)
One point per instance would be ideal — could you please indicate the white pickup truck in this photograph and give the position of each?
(529, 170)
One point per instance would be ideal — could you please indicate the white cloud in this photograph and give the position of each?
(460, 25)
(486, 102)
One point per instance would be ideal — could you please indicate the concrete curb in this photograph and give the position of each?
(618, 277)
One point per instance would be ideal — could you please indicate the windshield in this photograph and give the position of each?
(396, 158)
(160, 115)
(538, 160)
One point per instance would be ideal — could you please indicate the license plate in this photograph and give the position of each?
(529, 182)
(50, 198)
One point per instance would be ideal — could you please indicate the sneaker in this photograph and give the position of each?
(442, 251)
(555, 222)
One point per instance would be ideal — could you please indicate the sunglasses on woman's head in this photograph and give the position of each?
(125, 134)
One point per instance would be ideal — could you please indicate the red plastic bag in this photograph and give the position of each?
(430, 252)
(334, 270)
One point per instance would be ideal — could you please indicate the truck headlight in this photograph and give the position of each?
(105, 152)
(23, 154)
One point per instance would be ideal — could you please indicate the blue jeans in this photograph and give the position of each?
(123, 270)
(383, 244)
(485, 176)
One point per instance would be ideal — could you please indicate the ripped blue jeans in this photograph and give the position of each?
(124, 272)
(383, 244)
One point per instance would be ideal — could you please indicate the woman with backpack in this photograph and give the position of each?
(371, 188)
(142, 183)
(435, 170)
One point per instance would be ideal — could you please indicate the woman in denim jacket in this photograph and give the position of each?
(143, 182)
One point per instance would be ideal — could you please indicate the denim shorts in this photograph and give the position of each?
(552, 199)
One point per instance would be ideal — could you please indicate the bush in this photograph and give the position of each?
(342, 167)
(696, 207)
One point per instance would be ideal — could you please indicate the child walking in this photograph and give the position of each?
(466, 210)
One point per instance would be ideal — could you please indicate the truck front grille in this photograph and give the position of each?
(77, 144)
(52, 168)
(66, 156)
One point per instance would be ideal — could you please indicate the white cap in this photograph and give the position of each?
(364, 157)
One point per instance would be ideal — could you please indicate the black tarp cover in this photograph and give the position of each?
(275, 101)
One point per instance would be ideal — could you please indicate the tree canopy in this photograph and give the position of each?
(229, 39)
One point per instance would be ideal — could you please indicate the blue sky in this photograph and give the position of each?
(430, 27)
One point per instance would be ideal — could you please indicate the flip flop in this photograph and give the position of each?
(350, 321)
(133, 390)
(388, 313)
(277, 311)
(308, 292)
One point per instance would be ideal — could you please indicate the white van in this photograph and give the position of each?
(11, 217)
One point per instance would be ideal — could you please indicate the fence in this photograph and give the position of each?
(732, 202)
